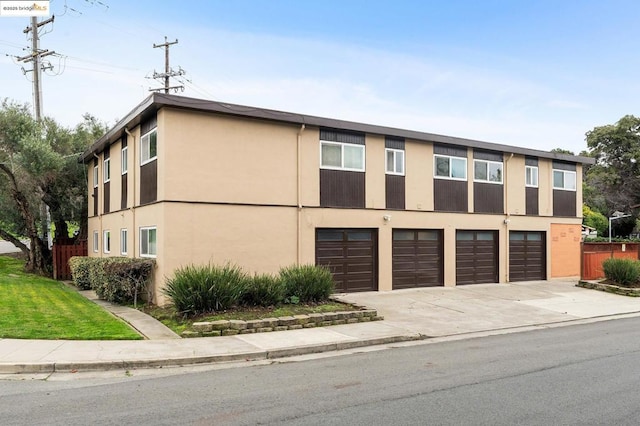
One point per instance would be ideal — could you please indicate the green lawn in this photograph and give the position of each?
(33, 307)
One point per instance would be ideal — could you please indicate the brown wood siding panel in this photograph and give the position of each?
(418, 263)
(149, 182)
(353, 264)
(488, 198)
(394, 143)
(107, 197)
(564, 203)
(451, 150)
(395, 192)
(450, 195)
(531, 161)
(487, 155)
(123, 191)
(532, 201)
(477, 260)
(564, 166)
(148, 124)
(527, 257)
(342, 136)
(340, 188)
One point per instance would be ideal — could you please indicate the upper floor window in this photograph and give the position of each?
(107, 170)
(564, 179)
(148, 242)
(124, 160)
(149, 147)
(447, 167)
(95, 176)
(341, 156)
(394, 161)
(531, 176)
(487, 171)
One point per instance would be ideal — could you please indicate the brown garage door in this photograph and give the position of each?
(351, 256)
(527, 256)
(476, 257)
(417, 258)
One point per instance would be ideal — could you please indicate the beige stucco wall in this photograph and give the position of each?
(418, 176)
(545, 187)
(514, 185)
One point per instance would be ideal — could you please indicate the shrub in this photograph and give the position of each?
(204, 289)
(125, 280)
(79, 266)
(622, 271)
(307, 283)
(264, 290)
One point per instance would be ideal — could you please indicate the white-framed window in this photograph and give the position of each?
(96, 242)
(531, 176)
(148, 241)
(447, 167)
(341, 156)
(564, 179)
(106, 241)
(487, 171)
(107, 169)
(394, 161)
(149, 147)
(123, 241)
(124, 160)
(95, 176)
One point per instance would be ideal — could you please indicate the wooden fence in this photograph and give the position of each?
(62, 252)
(593, 254)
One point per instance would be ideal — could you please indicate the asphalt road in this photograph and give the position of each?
(582, 374)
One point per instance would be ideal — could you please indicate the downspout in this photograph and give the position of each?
(507, 219)
(133, 185)
(298, 196)
(100, 236)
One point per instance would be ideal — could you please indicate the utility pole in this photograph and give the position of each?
(35, 56)
(168, 72)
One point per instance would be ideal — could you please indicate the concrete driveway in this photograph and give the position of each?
(443, 311)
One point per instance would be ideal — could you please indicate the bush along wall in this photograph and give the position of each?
(115, 279)
(196, 290)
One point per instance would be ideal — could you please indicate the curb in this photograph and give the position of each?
(67, 367)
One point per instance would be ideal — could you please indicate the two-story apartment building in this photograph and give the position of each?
(190, 181)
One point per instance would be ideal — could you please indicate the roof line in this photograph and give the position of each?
(159, 100)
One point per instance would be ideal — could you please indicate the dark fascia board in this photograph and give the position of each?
(158, 100)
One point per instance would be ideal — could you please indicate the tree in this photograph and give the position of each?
(595, 220)
(613, 183)
(562, 151)
(39, 166)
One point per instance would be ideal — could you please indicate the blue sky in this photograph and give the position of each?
(528, 73)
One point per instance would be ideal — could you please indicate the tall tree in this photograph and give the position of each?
(613, 183)
(39, 164)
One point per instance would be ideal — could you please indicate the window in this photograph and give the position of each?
(450, 167)
(148, 245)
(106, 240)
(107, 170)
(124, 160)
(395, 161)
(487, 171)
(123, 241)
(531, 176)
(564, 179)
(95, 176)
(96, 243)
(149, 147)
(341, 156)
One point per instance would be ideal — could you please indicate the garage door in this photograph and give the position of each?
(417, 258)
(351, 255)
(476, 257)
(527, 256)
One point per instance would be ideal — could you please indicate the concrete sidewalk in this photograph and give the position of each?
(409, 315)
